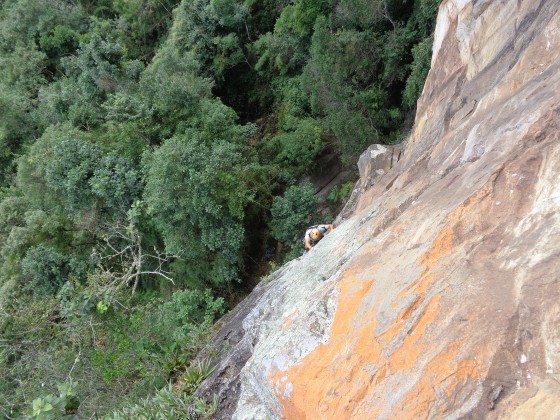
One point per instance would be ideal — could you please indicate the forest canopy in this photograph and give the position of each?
(153, 155)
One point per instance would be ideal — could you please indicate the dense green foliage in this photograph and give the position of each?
(289, 214)
(150, 153)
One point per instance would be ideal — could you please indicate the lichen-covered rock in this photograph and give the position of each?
(439, 296)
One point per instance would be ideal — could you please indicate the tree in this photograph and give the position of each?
(63, 170)
(47, 268)
(220, 34)
(122, 257)
(291, 211)
(146, 23)
(197, 193)
(20, 80)
(422, 53)
(173, 89)
(296, 147)
(49, 26)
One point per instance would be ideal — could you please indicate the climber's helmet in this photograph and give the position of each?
(315, 234)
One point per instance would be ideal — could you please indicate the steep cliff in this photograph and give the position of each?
(439, 295)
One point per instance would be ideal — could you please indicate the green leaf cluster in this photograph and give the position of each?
(55, 407)
(290, 213)
(197, 194)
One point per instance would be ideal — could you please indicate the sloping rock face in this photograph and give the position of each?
(440, 296)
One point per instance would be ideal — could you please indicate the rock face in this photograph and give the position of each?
(440, 295)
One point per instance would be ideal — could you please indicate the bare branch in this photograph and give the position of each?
(122, 260)
(386, 15)
(74, 365)
(159, 273)
(92, 330)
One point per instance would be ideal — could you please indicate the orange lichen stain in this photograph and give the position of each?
(473, 209)
(336, 377)
(442, 375)
(405, 291)
(442, 246)
(337, 368)
(352, 363)
(407, 312)
(406, 356)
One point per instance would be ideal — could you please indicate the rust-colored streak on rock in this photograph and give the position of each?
(409, 310)
(406, 290)
(341, 362)
(441, 247)
(443, 374)
(406, 356)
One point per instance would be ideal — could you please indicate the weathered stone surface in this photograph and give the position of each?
(440, 296)
(235, 341)
(375, 162)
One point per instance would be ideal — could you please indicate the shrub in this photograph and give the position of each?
(197, 372)
(297, 146)
(341, 192)
(291, 211)
(47, 268)
(165, 404)
(51, 406)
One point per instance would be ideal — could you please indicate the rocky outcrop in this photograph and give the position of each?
(375, 162)
(439, 296)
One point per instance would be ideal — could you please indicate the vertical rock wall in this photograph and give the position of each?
(440, 295)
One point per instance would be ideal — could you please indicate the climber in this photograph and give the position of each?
(314, 234)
